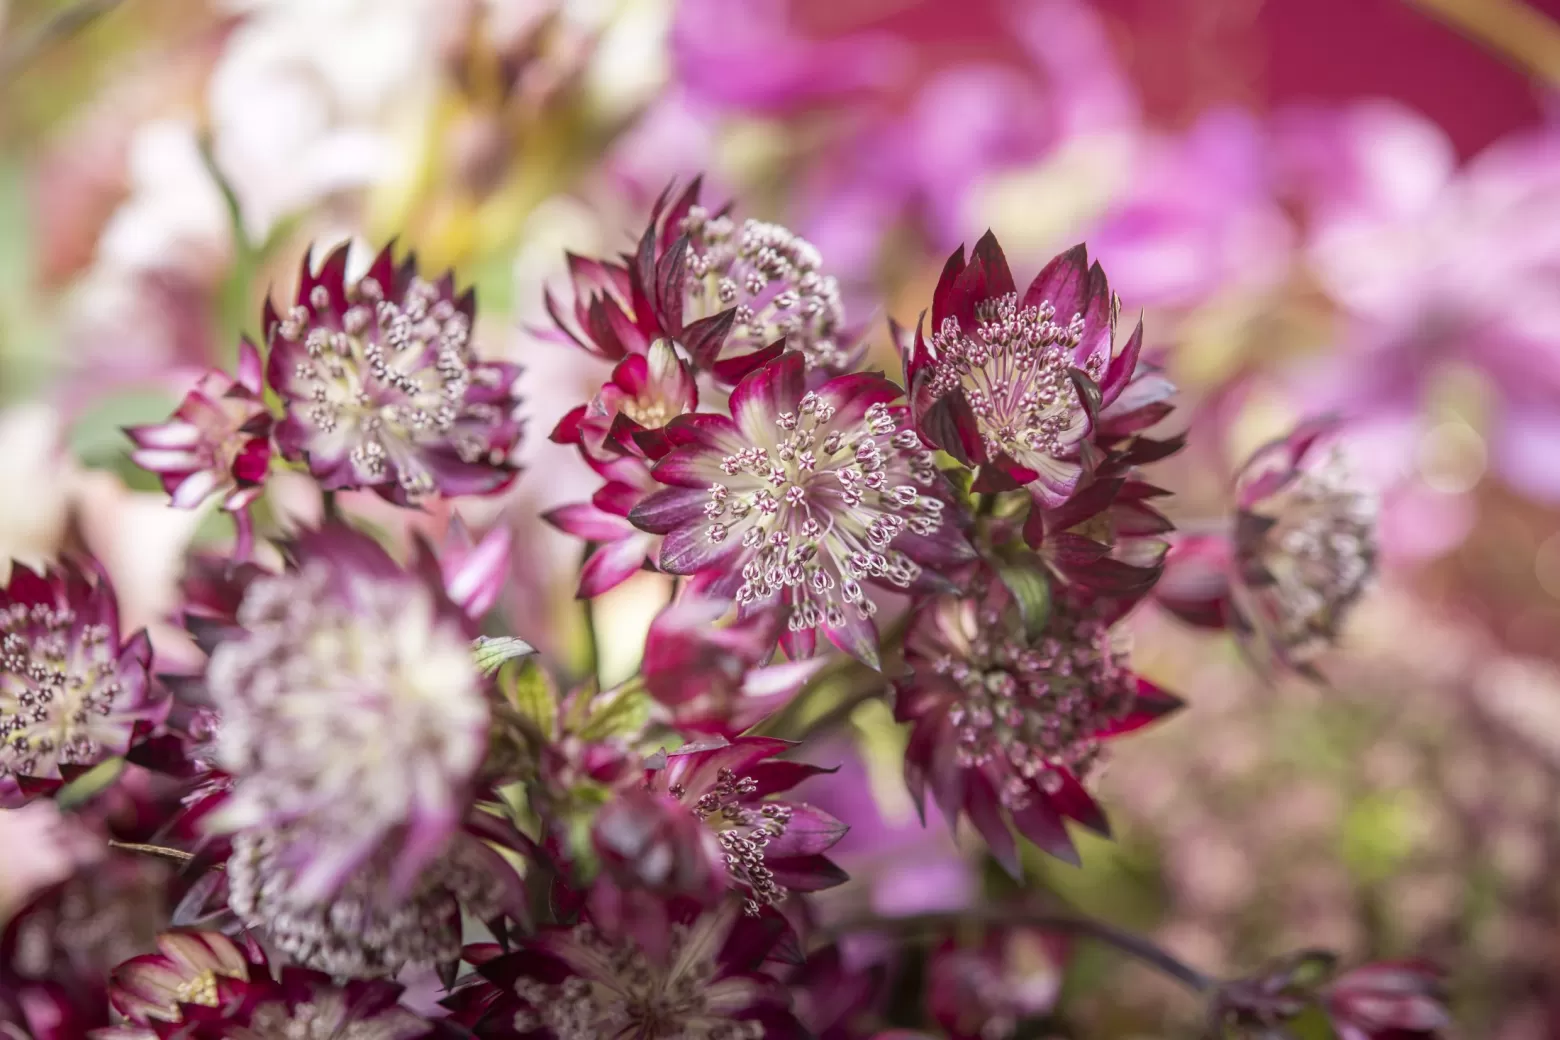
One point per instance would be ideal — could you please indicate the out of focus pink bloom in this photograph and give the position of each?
(984, 992)
(715, 678)
(1200, 217)
(1389, 1000)
(475, 570)
(1437, 267)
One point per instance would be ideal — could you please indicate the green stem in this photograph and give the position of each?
(1136, 946)
(592, 640)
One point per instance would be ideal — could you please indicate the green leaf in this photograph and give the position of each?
(492, 651)
(1032, 592)
(530, 692)
(624, 715)
(90, 784)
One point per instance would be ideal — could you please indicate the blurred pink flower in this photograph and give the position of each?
(1436, 266)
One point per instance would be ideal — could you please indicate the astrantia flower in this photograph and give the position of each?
(1007, 721)
(1390, 1000)
(1016, 383)
(218, 441)
(1305, 542)
(768, 846)
(73, 692)
(581, 983)
(800, 498)
(985, 992)
(307, 1005)
(202, 968)
(715, 678)
(352, 715)
(365, 928)
(728, 292)
(382, 388)
(1301, 553)
(646, 392)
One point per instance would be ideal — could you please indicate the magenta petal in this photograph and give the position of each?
(612, 564)
(807, 873)
(586, 521)
(765, 393)
(669, 509)
(689, 549)
(1122, 366)
(1152, 704)
(616, 497)
(810, 831)
(691, 466)
(1063, 283)
(858, 637)
(1073, 801)
(985, 811)
(942, 296)
(1042, 824)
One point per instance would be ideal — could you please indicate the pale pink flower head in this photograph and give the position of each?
(218, 442)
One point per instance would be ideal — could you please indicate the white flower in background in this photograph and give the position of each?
(311, 98)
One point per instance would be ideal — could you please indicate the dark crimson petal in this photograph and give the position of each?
(1122, 366)
(1042, 824)
(704, 339)
(1089, 502)
(671, 278)
(766, 392)
(688, 550)
(988, 255)
(1151, 704)
(1068, 549)
(1063, 282)
(733, 370)
(809, 832)
(985, 811)
(807, 873)
(670, 509)
(774, 776)
(1074, 802)
(942, 295)
(568, 429)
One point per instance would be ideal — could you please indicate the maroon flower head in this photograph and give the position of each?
(766, 847)
(715, 679)
(1008, 718)
(195, 967)
(984, 992)
(382, 388)
(73, 691)
(218, 441)
(1389, 1000)
(303, 1003)
(584, 982)
(1016, 382)
(800, 499)
(727, 292)
(646, 392)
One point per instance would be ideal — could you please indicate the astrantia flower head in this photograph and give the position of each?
(646, 392)
(352, 714)
(1305, 542)
(984, 992)
(582, 982)
(1016, 382)
(1008, 718)
(715, 678)
(1300, 554)
(382, 388)
(1388, 1000)
(218, 441)
(73, 692)
(194, 967)
(768, 846)
(801, 498)
(307, 1005)
(728, 292)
